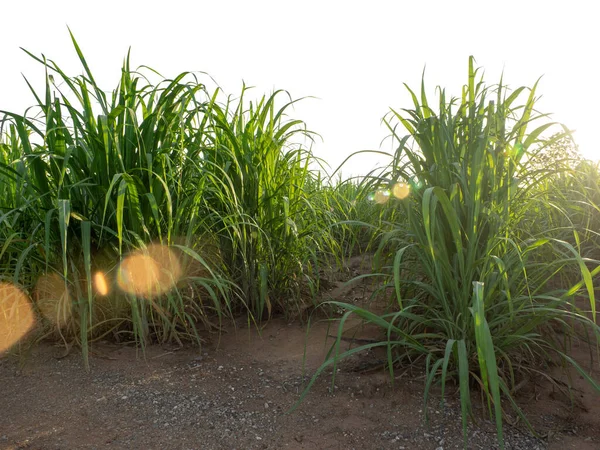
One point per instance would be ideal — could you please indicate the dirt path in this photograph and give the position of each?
(237, 396)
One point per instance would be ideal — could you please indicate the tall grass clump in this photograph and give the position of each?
(471, 276)
(98, 176)
(579, 191)
(357, 219)
(585, 190)
(260, 194)
(216, 196)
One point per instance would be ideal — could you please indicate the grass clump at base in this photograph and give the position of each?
(147, 212)
(469, 271)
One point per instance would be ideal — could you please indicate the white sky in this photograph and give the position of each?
(353, 56)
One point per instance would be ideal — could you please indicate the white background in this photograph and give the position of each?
(352, 56)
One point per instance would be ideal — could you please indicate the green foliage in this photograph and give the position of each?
(475, 233)
(258, 194)
(93, 177)
(469, 273)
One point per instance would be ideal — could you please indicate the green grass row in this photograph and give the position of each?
(228, 186)
(485, 232)
(492, 264)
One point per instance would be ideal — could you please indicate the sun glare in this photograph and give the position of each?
(149, 273)
(591, 154)
(16, 315)
(381, 196)
(100, 283)
(53, 299)
(401, 190)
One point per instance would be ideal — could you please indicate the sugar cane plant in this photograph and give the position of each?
(471, 270)
(211, 200)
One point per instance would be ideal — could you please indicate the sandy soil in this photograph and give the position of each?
(236, 393)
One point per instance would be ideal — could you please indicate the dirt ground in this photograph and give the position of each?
(237, 394)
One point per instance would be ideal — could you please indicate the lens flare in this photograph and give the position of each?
(53, 299)
(401, 190)
(138, 274)
(416, 183)
(16, 315)
(149, 273)
(100, 284)
(381, 196)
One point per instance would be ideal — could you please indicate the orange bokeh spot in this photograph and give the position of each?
(401, 190)
(100, 283)
(381, 197)
(53, 299)
(150, 272)
(16, 315)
